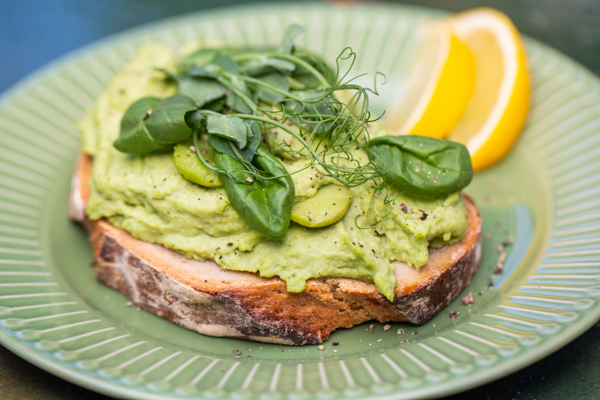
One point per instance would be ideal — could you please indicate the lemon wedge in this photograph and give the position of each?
(498, 108)
(439, 85)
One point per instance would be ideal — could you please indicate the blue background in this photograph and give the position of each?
(35, 32)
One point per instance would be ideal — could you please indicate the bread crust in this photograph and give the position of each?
(202, 296)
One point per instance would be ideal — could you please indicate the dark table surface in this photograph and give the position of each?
(34, 32)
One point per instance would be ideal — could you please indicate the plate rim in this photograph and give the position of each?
(89, 381)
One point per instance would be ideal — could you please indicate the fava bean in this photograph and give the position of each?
(191, 167)
(329, 205)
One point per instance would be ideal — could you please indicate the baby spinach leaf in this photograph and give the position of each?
(169, 76)
(136, 114)
(201, 57)
(250, 150)
(167, 124)
(232, 128)
(266, 205)
(195, 120)
(151, 124)
(233, 100)
(223, 145)
(306, 78)
(265, 65)
(276, 80)
(424, 167)
(134, 136)
(216, 105)
(227, 64)
(202, 90)
(201, 71)
(291, 33)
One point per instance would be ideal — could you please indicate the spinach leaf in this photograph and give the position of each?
(201, 57)
(216, 105)
(266, 205)
(265, 65)
(233, 100)
(202, 90)
(226, 83)
(134, 136)
(291, 33)
(306, 78)
(201, 71)
(232, 128)
(276, 80)
(195, 120)
(234, 103)
(227, 64)
(423, 167)
(223, 145)
(151, 124)
(167, 124)
(169, 76)
(252, 129)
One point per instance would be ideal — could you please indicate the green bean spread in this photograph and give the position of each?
(268, 162)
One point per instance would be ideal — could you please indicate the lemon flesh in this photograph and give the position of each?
(439, 85)
(498, 108)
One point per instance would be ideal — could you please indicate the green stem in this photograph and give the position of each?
(225, 82)
(199, 154)
(314, 155)
(267, 86)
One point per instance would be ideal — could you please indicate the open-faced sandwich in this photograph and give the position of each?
(250, 193)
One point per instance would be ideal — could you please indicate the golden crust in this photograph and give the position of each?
(202, 296)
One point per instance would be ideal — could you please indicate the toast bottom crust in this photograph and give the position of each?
(202, 296)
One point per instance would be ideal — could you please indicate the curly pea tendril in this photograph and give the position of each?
(236, 96)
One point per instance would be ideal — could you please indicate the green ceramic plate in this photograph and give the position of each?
(544, 195)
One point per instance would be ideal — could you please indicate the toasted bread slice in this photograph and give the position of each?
(202, 296)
